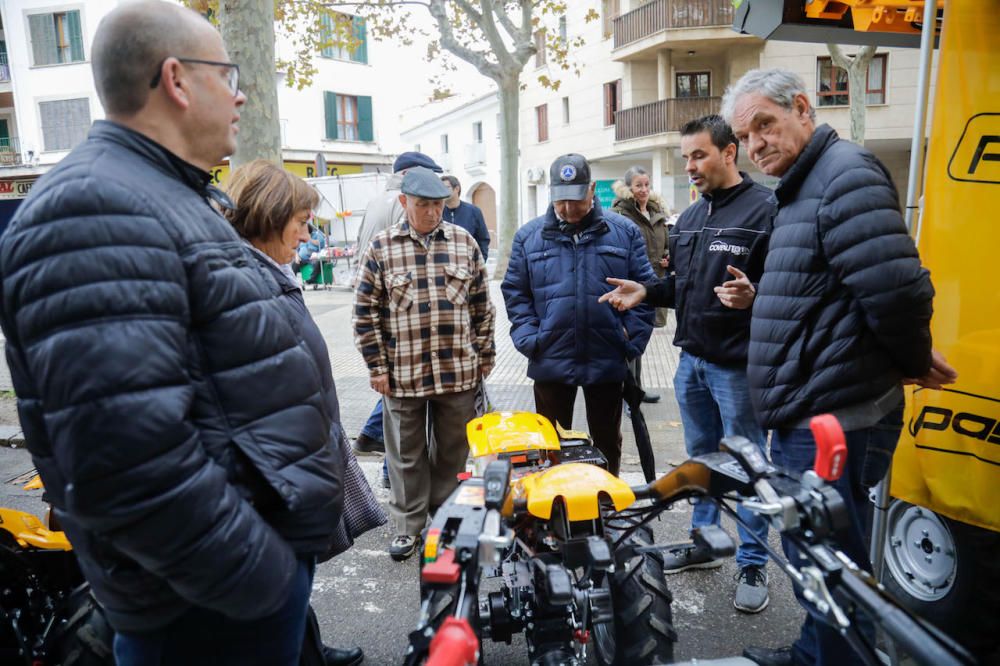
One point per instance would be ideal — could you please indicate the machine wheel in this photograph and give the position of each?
(643, 630)
(86, 637)
(947, 572)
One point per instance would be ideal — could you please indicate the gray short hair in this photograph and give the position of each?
(632, 173)
(778, 85)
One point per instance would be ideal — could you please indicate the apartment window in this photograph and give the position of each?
(477, 132)
(540, 48)
(693, 84)
(56, 38)
(348, 117)
(337, 27)
(444, 144)
(565, 110)
(833, 86)
(542, 118)
(563, 33)
(612, 100)
(4, 69)
(609, 12)
(64, 122)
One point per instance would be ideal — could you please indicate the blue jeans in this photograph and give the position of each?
(715, 403)
(795, 450)
(202, 637)
(373, 427)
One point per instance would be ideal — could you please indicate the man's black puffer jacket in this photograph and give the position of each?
(172, 408)
(843, 310)
(728, 227)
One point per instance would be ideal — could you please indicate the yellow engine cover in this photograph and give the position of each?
(507, 432)
(29, 531)
(579, 484)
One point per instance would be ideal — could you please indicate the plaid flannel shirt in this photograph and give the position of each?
(422, 311)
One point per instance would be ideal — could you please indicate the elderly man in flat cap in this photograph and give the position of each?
(424, 323)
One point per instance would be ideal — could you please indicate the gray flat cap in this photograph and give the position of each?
(424, 183)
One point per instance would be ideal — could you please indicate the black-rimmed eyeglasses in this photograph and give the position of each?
(232, 71)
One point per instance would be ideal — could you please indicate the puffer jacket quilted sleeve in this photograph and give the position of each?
(150, 361)
(871, 254)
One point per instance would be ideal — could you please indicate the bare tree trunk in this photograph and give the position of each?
(247, 28)
(857, 76)
(509, 123)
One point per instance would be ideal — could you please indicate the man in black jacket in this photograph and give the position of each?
(842, 313)
(174, 412)
(717, 251)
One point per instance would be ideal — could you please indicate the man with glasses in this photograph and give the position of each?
(174, 413)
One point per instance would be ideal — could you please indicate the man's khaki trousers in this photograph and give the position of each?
(422, 474)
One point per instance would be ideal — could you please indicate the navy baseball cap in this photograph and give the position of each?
(422, 182)
(569, 178)
(411, 159)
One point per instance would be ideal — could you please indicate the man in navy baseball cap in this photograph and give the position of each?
(558, 266)
(411, 159)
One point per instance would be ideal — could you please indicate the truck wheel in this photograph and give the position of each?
(946, 572)
(642, 631)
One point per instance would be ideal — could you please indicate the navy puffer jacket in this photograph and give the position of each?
(174, 411)
(843, 310)
(551, 290)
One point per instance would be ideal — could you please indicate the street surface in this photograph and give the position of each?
(363, 598)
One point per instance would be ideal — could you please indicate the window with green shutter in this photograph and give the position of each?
(56, 38)
(330, 107)
(334, 27)
(348, 117)
(365, 130)
(360, 54)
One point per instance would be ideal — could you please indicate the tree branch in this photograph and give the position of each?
(501, 14)
(838, 57)
(448, 41)
(525, 47)
(489, 28)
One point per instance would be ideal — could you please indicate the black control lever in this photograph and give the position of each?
(496, 480)
(747, 455)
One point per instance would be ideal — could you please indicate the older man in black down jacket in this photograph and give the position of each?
(842, 313)
(175, 414)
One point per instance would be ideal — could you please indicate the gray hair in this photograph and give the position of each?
(632, 173)
(778, 85)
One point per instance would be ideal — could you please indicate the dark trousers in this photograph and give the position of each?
(555, 402)
(795, 450)
(202, 637)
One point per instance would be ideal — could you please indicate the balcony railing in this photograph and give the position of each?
(475, 155)
(10, 152)
(4, 68)
(665, 115)
(659, 15)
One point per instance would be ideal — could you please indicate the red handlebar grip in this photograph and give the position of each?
(454, 644)
(831, 448)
